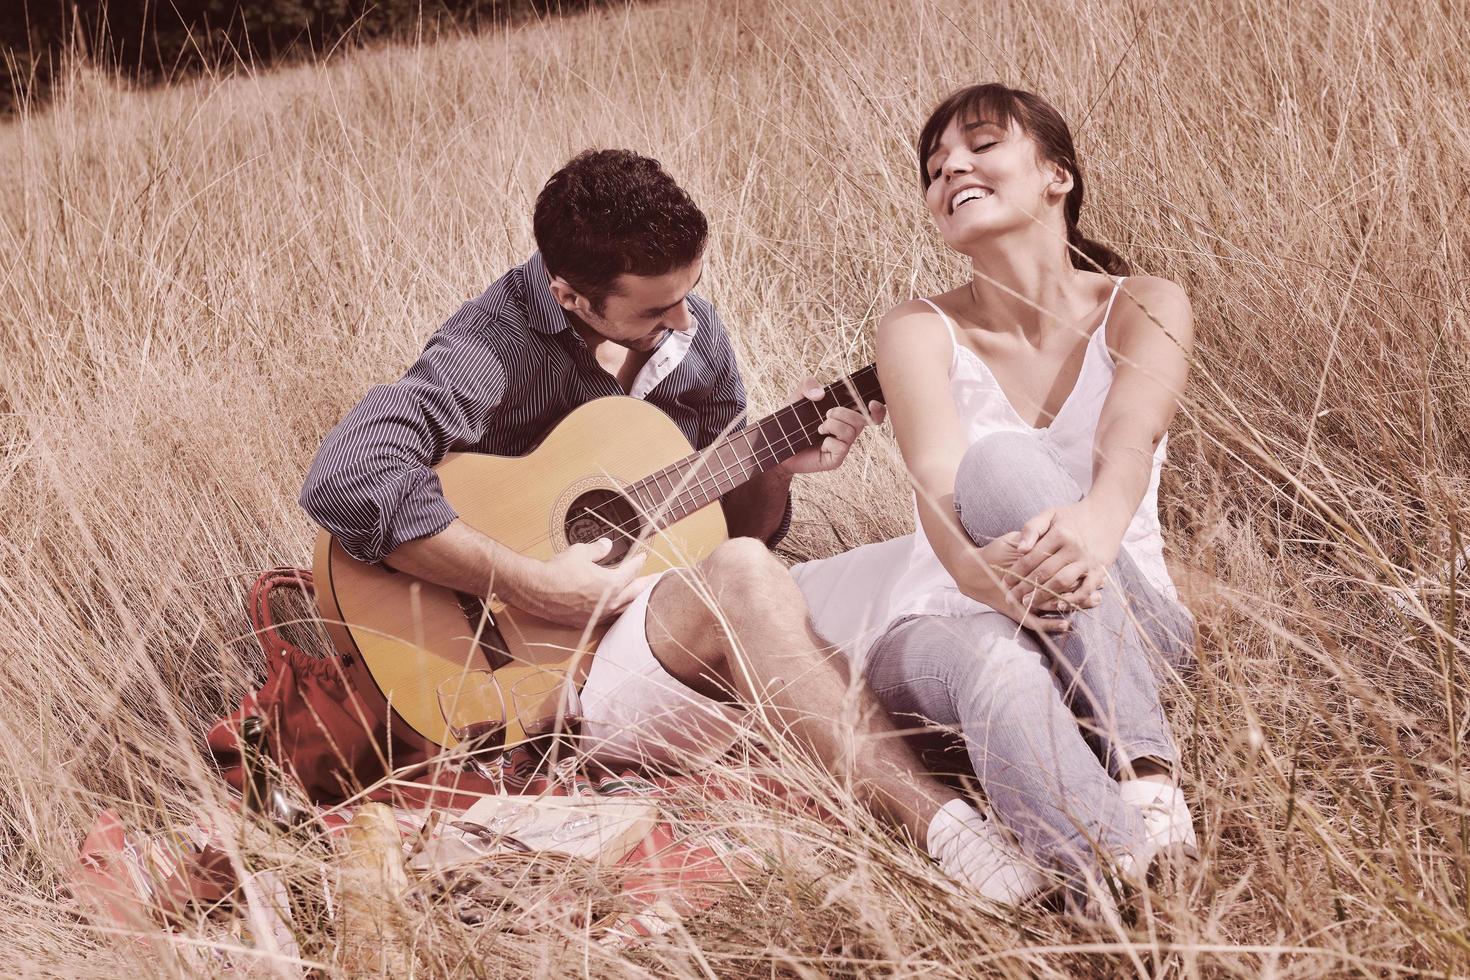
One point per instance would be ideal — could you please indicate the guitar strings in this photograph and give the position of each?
(836, 392)
(688, 493)
(677, 500)
(807, 430)
(847, 386)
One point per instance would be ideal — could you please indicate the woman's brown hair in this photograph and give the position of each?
(1038, 119)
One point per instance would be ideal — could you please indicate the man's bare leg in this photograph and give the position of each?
(780, 661)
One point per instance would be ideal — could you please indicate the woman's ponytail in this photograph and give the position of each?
(1094, 256)
(1086, 254)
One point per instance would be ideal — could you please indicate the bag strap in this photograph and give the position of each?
(277, 648)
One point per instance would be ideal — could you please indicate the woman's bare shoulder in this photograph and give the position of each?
(906, 309)
(1147, 304)
(912, 334)
(1141, 290)
(912, 316)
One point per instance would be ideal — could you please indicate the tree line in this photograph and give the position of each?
(147, 41)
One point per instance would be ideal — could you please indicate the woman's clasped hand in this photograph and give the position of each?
(1066, 553)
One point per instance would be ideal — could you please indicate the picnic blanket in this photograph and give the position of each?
(135, 881)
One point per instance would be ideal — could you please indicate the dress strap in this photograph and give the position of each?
(948, 323)
(1117, 285)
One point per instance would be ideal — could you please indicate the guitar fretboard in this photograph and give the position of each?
(698, 480)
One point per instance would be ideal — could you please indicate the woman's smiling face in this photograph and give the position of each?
(987, 177)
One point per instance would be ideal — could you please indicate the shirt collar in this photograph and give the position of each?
(542, 310)
(665, 357)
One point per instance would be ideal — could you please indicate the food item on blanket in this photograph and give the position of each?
(264, 788)
(371, 883)
(597, 830)
(601, 831)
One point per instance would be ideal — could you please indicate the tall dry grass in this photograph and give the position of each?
(200, 280)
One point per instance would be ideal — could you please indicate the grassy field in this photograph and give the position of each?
(198, 281)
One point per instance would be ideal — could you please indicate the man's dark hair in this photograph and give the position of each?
(610, 212)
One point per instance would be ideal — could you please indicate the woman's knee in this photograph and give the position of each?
(1004, 480)
(1001, 678)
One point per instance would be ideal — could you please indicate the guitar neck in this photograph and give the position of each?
(701, 478)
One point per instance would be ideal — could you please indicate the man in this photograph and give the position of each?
(605, 308)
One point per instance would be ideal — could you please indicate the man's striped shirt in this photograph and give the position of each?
(497, 376)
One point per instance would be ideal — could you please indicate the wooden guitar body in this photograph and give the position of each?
(401, 637)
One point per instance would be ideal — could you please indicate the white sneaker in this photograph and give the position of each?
(1167, 819)
(1110, 895)
(977, 853)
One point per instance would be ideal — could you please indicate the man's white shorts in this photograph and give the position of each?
(634, 710)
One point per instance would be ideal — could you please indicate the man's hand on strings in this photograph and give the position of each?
(841, 427)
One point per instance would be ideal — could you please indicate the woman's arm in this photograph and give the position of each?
(1150, 336)
(914, 354)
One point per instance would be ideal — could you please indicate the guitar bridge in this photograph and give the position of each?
(484, 631)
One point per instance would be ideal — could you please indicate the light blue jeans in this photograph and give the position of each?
(1026, 704)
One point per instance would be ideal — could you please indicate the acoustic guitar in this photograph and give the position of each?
(613, 468)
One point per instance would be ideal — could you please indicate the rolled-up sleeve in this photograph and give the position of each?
(372, 483)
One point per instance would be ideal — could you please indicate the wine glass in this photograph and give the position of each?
(474, 709)
(549, 710)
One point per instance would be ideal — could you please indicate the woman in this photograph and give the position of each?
(1031, 404)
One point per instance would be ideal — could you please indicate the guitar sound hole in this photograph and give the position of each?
(604, 514)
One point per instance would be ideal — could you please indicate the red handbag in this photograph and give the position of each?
(319, 731)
